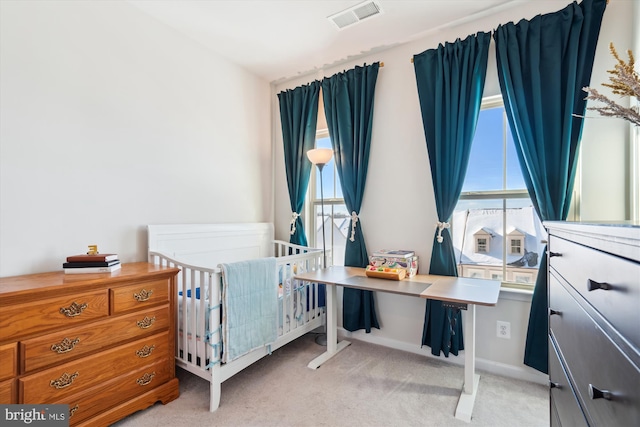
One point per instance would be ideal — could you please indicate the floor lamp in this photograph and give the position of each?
(320, 157)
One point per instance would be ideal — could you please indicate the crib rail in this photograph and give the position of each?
(198, 329)
(199, 340)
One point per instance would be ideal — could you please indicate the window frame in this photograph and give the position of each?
(515, 249)
(482, 245)
(311, 203)
(505, 195)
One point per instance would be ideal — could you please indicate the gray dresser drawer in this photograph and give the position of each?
(564, 401)
(584, 268)
(593, 360)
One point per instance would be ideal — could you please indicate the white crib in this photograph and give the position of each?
(198, 250)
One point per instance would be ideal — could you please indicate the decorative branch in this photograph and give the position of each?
(625, 81)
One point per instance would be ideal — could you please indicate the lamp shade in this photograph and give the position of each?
(320, 156)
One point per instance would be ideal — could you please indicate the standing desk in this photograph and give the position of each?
(453, 290)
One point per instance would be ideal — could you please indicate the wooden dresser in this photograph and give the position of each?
(101, 343)
(594, 324)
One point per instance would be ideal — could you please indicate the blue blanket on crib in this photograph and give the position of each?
(249, 298)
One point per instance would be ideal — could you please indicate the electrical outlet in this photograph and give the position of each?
(503, 330)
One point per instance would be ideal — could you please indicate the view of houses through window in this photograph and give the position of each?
(496, 232)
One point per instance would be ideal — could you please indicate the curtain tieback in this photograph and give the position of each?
(441, 226)
(354, 221)
(294, 217)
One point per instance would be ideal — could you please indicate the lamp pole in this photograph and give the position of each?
(324, 248)
(320, 157)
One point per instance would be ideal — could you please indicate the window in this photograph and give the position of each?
(494, 225)
(496, 275)
(482, 241)
(475, 273)
(523, 277)
(336, 218)
(516, 242)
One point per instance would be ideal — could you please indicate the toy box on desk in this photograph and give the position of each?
(410, 264)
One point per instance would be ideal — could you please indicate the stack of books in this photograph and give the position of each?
(394, 253)
(94, 263)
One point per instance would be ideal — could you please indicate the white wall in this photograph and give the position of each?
(604, 180)
(111, 121)
(400, 212)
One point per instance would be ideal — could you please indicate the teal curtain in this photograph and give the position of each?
(543, 64)
(450, 84)
(348, 105)
(299, 116)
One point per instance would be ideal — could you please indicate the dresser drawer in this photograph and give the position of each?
(140, 295)
(8, 361)
(60, 347)
(96, 399)
(43, 315)
(8, 392)
(580, 266)
(77, 376)
(593, 360)
(563, 400)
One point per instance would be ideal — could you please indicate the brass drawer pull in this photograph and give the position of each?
(145, 379)
(73, 410)
(65, 346)
(143, 295)
(145, 351)
(146, 322)
(74, 309)
(64, 381)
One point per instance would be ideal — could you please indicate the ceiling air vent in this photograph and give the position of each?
(355, 14)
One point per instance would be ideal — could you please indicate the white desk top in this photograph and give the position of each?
(443, 288)
(464, 290)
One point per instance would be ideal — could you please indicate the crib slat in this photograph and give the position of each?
(215, 317)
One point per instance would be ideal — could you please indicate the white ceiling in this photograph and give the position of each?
(279, 39)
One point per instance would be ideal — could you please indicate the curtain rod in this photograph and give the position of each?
(382, 64)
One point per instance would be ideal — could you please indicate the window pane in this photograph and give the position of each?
(477, 228)
(336, 219)
(330, 179)
(525, 226)
(496, 238)
(515, 181)
(485, 170)
(336, 230)
(485, 161)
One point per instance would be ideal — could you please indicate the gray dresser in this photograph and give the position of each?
(594, 324)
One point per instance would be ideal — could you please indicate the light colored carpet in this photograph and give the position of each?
(365, 385)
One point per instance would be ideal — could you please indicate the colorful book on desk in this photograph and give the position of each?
(92, 258)
(90, 264)
(394, 253)
(90, 270)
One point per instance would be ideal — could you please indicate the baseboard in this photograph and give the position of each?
(517, 372)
